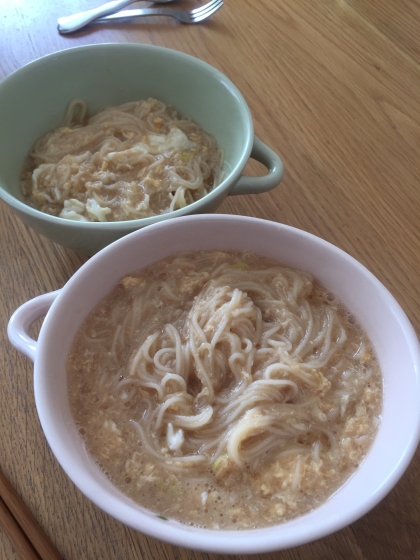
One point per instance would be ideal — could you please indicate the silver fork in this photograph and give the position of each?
(77, 21)
(70, 24)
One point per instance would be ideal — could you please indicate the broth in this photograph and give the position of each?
(224, 390)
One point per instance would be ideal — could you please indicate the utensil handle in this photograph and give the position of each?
(68, 24)
(255, 185)
(27, 538)
(19, 541)
(22, 319)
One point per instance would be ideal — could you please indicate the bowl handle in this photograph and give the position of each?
(254, 185)
(22, 319)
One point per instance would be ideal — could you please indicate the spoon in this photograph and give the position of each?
(77, 21)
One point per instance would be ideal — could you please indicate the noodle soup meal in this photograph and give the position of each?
(134, 161)
(224, 390)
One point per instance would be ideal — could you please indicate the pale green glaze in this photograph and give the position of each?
(34, 98)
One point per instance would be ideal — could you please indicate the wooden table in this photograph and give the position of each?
(334, 88)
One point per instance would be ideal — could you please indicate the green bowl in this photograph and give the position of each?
(33, 101)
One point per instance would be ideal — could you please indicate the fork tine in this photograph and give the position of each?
(204, 10)
(211, 7)
(202, 16)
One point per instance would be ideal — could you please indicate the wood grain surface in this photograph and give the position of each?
(334, 89)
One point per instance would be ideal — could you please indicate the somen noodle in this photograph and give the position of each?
(229, 376)
(137, 160)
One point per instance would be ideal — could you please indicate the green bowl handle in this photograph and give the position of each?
(254, 185)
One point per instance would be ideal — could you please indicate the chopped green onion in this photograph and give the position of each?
(217, 462)
(239, 265)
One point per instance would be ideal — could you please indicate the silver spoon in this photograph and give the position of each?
(77, 21)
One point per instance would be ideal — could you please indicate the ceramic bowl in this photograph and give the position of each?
(374, 307)
(33, 101)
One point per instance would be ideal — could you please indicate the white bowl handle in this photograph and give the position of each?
(22, 319)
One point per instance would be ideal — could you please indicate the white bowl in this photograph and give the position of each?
(377, 311)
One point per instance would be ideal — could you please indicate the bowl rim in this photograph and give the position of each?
(254, 540)
(227, 182)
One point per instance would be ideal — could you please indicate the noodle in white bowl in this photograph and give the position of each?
(230, 370)
(370, 303)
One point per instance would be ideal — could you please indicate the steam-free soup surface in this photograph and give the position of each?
(224, 390)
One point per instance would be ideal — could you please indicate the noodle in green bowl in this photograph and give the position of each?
(33, 102)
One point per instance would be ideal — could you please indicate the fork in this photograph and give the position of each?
(73, 23)
(77, 21)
